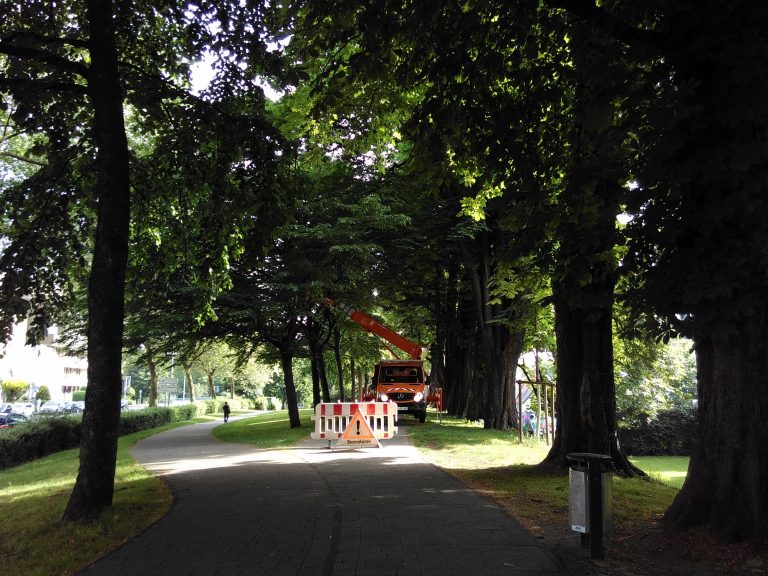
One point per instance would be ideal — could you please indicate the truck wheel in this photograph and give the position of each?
(423, 416)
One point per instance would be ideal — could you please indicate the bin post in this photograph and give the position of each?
(587, 493)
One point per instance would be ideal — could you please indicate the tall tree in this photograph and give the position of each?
(66, 72)
(699, 238)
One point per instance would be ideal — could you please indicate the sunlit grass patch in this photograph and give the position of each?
(34, 495)
(669, 470)
(268, 430)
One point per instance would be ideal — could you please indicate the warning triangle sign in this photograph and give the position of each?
(358, 433)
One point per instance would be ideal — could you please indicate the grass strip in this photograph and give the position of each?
(33, 496)
(497, 464)
(267, 431)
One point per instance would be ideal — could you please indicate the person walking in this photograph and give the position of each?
(226, 412)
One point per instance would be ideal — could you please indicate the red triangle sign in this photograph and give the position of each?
(358, 433)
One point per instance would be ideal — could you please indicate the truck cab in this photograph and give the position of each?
(404, 383)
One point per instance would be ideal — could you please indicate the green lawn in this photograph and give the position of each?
(34, 495)
(497, 464)
(269, 430)
(33, 540)
(669, 470)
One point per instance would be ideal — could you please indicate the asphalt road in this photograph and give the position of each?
(315, 512)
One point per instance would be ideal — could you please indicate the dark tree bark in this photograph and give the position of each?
(725, 489)
(106, 288)
(317, 338)
(337, 356)
(585, 407)
(286, 360)
(315, 379)
(512, 351)
(211, 387)
(492, 332)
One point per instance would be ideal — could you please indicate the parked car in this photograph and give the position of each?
(25, 408)
(5, 408)
(71, 407)
(50, 407)
(10, 419)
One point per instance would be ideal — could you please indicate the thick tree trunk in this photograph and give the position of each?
(726, 489)
(106, 287)
(211, 387)
(585, 407)
(352, 395)
(489, 390)
(286, 359)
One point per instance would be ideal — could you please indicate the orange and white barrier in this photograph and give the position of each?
(355, 423)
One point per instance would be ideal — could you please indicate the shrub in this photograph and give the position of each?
(670, 433)
(43, 436)
(37, 438)
(43, 394)
(14, 390)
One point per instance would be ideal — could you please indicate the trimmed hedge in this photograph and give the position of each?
(670, 433)
(45, 435)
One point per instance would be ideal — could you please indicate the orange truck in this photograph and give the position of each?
(402, 381)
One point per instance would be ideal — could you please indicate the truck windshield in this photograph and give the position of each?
(394, 374)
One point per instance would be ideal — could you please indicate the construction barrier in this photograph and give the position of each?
(355, 423)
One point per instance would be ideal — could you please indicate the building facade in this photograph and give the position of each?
(42, 365)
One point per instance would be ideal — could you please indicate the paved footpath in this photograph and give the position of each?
(314, 512)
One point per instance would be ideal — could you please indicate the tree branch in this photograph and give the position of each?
(52, 40)
(23, 159)
(46, 85)
(43, 56)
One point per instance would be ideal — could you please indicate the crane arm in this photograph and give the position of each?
(415, 351)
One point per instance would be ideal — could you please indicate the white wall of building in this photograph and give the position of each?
(42, 365)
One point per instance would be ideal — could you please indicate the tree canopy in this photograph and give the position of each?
(466, 161)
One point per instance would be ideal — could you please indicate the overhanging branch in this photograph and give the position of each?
(43, 56)
(42, 85)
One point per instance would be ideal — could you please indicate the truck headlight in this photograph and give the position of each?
(418, 397)
(384, 397)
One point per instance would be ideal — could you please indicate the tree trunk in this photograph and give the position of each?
(188, 375)
(106, 287)
(211, 387)
(491, 334)
(152, 382)
(725, 490)
(512, 351)
(352, 377)
(324, 388)
(286, 359)
(315, 377)
(339, 365)
(585, 406)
